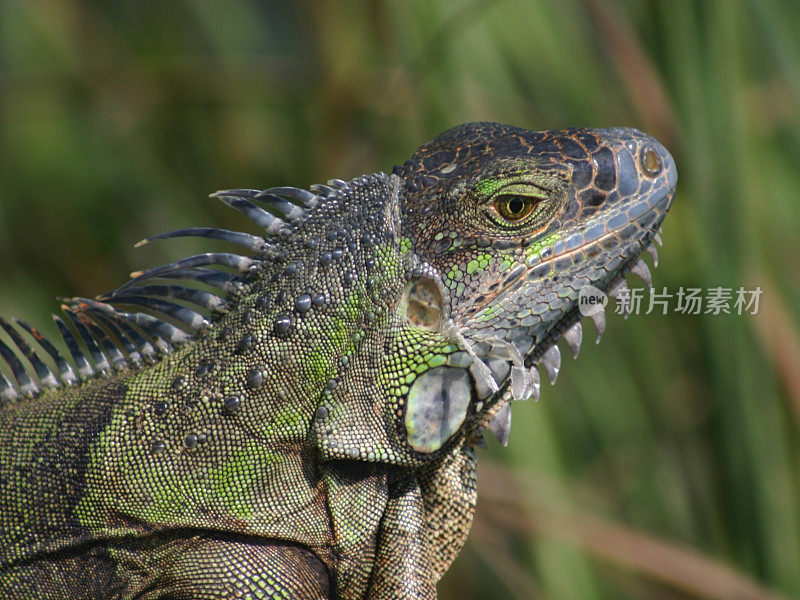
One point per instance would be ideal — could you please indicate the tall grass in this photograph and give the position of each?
(664, 463)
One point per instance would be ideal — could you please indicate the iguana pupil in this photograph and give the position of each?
(515, 208)
(515, 205)
(300, 419)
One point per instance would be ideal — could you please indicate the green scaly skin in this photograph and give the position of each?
(315, 438)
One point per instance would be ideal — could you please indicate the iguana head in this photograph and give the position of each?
(510, 226)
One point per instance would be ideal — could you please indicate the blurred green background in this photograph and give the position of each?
(664, 463)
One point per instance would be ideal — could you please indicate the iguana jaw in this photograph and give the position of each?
(492, 410)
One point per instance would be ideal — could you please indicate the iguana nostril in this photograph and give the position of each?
(651, 163)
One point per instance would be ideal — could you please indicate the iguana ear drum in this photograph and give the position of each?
(424, 302)
(437, 406)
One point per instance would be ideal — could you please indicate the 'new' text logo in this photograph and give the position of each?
(591, 300)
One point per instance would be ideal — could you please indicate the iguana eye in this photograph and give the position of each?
(514, 204)
(513, 207)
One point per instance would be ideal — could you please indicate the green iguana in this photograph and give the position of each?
(300, 421)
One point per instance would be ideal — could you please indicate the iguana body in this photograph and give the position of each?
(307, 430)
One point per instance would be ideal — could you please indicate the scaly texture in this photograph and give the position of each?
(300, 422)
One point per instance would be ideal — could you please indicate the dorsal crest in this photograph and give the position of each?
(159, 309)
